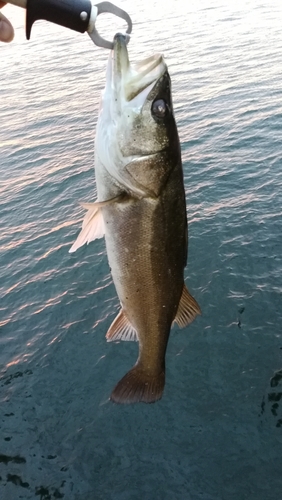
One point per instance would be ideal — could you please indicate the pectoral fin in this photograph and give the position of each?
(187, 310)
(121, 329)
(92, 226)
(93, 223)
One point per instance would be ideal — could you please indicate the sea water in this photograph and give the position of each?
(217, 432)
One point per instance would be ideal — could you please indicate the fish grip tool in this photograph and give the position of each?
(77, 15)
(73, 14)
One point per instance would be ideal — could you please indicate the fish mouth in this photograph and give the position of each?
(129, 81)
(126, 131)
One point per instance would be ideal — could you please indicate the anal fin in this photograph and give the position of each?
(188, 309)
(121, 329)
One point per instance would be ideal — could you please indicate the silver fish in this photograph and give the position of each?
(141, 210)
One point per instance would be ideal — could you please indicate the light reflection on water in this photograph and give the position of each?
(57, 368)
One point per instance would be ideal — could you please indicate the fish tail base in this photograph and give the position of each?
(137, 386)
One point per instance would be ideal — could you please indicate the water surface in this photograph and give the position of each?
(217, 432)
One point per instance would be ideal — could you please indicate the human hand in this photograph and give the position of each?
(6, 29)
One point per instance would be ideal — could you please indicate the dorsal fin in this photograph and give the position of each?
(187, 310)
(121, 329)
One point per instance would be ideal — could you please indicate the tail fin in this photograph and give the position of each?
(138, 386)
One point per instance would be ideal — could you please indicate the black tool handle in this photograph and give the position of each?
(73, 14)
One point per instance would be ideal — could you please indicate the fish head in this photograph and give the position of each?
(136, 123)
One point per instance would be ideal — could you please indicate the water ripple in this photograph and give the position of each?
(55, 307)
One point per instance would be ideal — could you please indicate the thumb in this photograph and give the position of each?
(6, 29)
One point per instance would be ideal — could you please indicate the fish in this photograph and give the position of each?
(141, 211)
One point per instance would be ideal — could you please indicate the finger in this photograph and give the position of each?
(6, 29)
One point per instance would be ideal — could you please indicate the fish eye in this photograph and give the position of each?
(159, 108)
